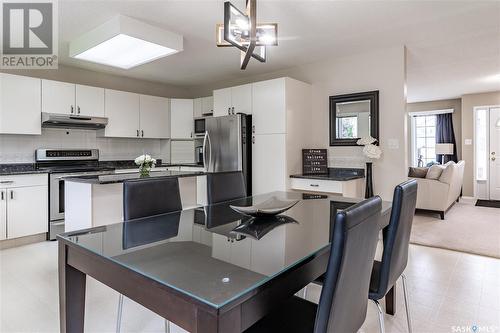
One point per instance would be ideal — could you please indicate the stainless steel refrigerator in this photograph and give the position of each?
(227, 145)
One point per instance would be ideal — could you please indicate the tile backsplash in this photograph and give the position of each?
(21, 148)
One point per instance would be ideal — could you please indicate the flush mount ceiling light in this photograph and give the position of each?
(125, 43)
(241, 30)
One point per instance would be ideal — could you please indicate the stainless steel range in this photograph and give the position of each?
(60, 163)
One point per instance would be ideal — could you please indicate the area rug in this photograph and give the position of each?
(466, 228)
(488, 203)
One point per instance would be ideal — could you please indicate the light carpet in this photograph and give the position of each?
(466, 228)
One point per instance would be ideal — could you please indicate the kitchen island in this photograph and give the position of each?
(92, 201)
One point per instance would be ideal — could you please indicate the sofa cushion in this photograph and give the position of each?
(435, 171)
(447, 174)
(416, 172)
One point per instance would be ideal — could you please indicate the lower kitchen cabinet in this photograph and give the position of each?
(23, 209)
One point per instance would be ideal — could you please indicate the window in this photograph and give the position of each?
(482, 144)
(347, 127)
(424, 139)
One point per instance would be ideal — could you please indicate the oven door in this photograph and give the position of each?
(56, 194)
(199, 126)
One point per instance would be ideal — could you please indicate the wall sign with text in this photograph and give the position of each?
(314, 162)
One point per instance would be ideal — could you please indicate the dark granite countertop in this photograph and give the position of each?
(130, 164)
(120, 178)
(338, 174)
(19, 169)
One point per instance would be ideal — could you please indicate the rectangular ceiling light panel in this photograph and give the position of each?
(125, 43)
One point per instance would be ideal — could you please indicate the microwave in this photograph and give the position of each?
(199, 126)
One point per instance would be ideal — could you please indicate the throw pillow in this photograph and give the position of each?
(417, 172)
(447, 173)
(435, 171)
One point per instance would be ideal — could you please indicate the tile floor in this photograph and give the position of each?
(450, 292)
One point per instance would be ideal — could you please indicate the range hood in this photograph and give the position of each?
(53, 120)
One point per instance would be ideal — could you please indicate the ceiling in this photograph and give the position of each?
(453, 46)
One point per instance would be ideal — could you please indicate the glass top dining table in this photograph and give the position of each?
(215, 254)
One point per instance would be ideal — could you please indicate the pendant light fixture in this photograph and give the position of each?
(241, 30)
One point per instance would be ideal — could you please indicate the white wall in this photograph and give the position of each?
(383, 70)
(21, 148)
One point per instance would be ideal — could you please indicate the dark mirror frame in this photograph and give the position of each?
(374, 121)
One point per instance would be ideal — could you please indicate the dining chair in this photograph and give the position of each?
(342, 304)
(225, 186)
(396, 240)
(148, 197)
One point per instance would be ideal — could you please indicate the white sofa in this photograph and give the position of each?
(438, 195)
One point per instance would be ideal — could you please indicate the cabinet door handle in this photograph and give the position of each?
(78, 110)
(137, 133)
(253, 128)
(1, 196)
(232, 110)
(142, 133)
(72, 109)
(253, 139)
(314, 185)
(6, 182)
(12, 194)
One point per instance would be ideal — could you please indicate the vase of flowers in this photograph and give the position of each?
(145, 163)
(373, 152)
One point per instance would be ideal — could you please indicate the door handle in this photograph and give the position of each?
(72, 109)
(1, 196)
(137, 133)
(232, 110)
(78, 108)
(205, 165)
(12, 194)
(6, 182)
(253, 139)
(142, 133)
(253, 128)
(314, 185)
(493, 158)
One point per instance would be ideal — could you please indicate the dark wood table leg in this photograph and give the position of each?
(390, 301)
(71, 295)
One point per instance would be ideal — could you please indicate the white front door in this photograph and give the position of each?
(494, 153)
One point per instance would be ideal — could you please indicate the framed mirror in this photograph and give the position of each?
(353, 116)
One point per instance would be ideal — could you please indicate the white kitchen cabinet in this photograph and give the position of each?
(3, 214)
(122, 110)
(269, 106)
(197, 107)
(58, 97)
(20, 105)
(181, 118)
(268, 163)
(89, 101)
(26, 211)
(23, 205)
(207, 105)
(241, 99)
(154, 117)
(222, 102)
(233, 100)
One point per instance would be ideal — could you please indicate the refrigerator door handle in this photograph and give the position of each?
(205, 165)
(209, 149)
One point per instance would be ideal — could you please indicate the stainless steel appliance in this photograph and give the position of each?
(60, 163)
(199, 126)
(198, 155)
(72, 121)
(227, 145)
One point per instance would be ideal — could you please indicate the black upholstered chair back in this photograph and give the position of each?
(225, 186)
(147, 197)
(397, 236)
(343, 301)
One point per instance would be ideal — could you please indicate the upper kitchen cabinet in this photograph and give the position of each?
(233, 100)
(207, 105)
(203, 106)
(20, 105)
(58, 97)
(154, 117)
(122, 110)
(73, 99)
(181, 118)
(89, 101)
(269, 107)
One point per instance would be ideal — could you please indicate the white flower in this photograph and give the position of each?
(367, 140)
(145, 159)
(372, 151)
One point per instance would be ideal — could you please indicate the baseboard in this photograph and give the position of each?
(10, 243)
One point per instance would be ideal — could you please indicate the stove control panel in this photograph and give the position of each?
(66, 154)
